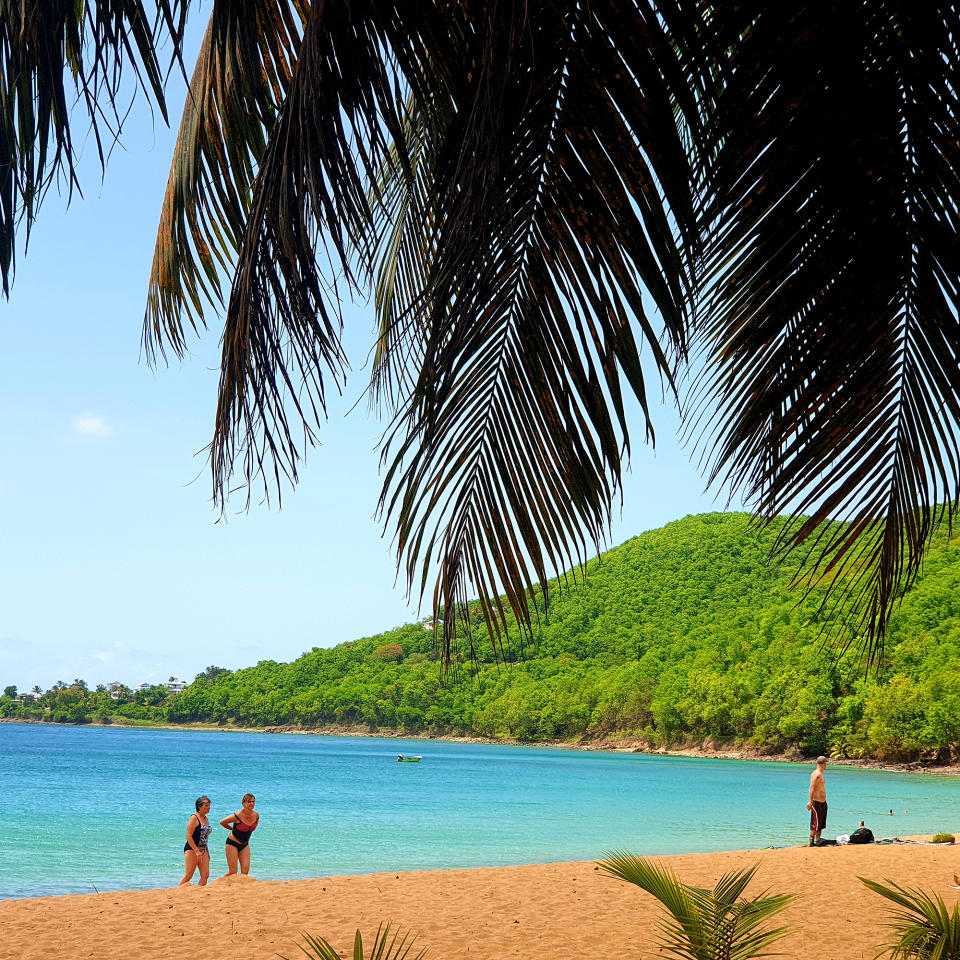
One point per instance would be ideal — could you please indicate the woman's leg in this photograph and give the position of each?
(189, 865)
(231, 852)
(203, 862)
(244, 858)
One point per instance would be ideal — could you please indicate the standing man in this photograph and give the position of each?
(817, 804)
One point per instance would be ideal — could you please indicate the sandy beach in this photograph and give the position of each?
(557, 911)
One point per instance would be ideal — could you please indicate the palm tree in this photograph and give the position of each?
(925, 929)
(761, 196)
(705, 924)
(384, 947)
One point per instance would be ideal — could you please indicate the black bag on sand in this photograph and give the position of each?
(862, 835)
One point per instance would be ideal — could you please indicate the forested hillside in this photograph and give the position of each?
(682, 634)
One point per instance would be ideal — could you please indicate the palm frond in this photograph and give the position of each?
(536, 234)
(384, 947)
(403, 243)
(239, 81)
(52, 53)
(925, 929)
(283, 321)
(705, 924)
(829, 320)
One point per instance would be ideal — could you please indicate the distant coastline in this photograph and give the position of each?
(707, 750)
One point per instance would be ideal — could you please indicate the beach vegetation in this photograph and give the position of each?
(682, 636)
(384, 947)
(943, 838)
(701, 924)
(924, 927)
(534, 197)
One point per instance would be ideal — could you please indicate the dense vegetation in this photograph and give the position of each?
(679, 635)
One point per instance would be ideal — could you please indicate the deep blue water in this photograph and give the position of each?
(85, 808)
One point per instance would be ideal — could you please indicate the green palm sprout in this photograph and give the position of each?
(924, 927)
(705, 924)
(384, 947)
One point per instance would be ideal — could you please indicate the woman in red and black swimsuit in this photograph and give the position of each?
(241, 825)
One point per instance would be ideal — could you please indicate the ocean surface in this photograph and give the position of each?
(85, 809)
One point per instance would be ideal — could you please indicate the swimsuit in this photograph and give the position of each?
(240, 834)
(200, 834)
(818, 814)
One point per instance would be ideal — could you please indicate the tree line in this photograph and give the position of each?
(680, 635)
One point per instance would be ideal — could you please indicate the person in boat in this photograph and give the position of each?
(196, 856)
(399, 757)
(241, 825)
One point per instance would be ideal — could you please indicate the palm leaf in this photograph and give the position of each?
(925, 929)
(517, 268)
(240, 79)
(51, 53)
(283, 322)
(384, 947)
(705, 924)
(829, 320)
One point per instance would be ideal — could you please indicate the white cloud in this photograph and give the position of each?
(91, 425)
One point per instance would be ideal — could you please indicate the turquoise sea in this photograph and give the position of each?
(100, 808)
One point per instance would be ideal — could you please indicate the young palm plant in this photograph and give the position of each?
(384, 947)
(925, 929)
(705, 924)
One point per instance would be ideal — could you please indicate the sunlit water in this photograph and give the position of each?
(94, 808)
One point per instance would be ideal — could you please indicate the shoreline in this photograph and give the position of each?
(553, 911)
(706, 750)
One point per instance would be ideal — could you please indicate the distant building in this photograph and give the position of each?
(176, 686)
(433, 625)
(143, 686)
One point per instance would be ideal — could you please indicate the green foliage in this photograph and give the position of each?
(925, 929)
(943, 838)
(703, 924)
(680, 635)
(384, 947)
(213, 673)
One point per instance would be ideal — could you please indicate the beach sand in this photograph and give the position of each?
(557, 911)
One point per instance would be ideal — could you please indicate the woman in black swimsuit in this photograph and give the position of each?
(241, 825)
(195, 852)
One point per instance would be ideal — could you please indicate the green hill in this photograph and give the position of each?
(680, 635)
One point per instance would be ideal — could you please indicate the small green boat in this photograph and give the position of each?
(402, 759)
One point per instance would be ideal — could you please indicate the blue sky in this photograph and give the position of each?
(114, 564)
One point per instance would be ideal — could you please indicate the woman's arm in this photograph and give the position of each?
(228, 821)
